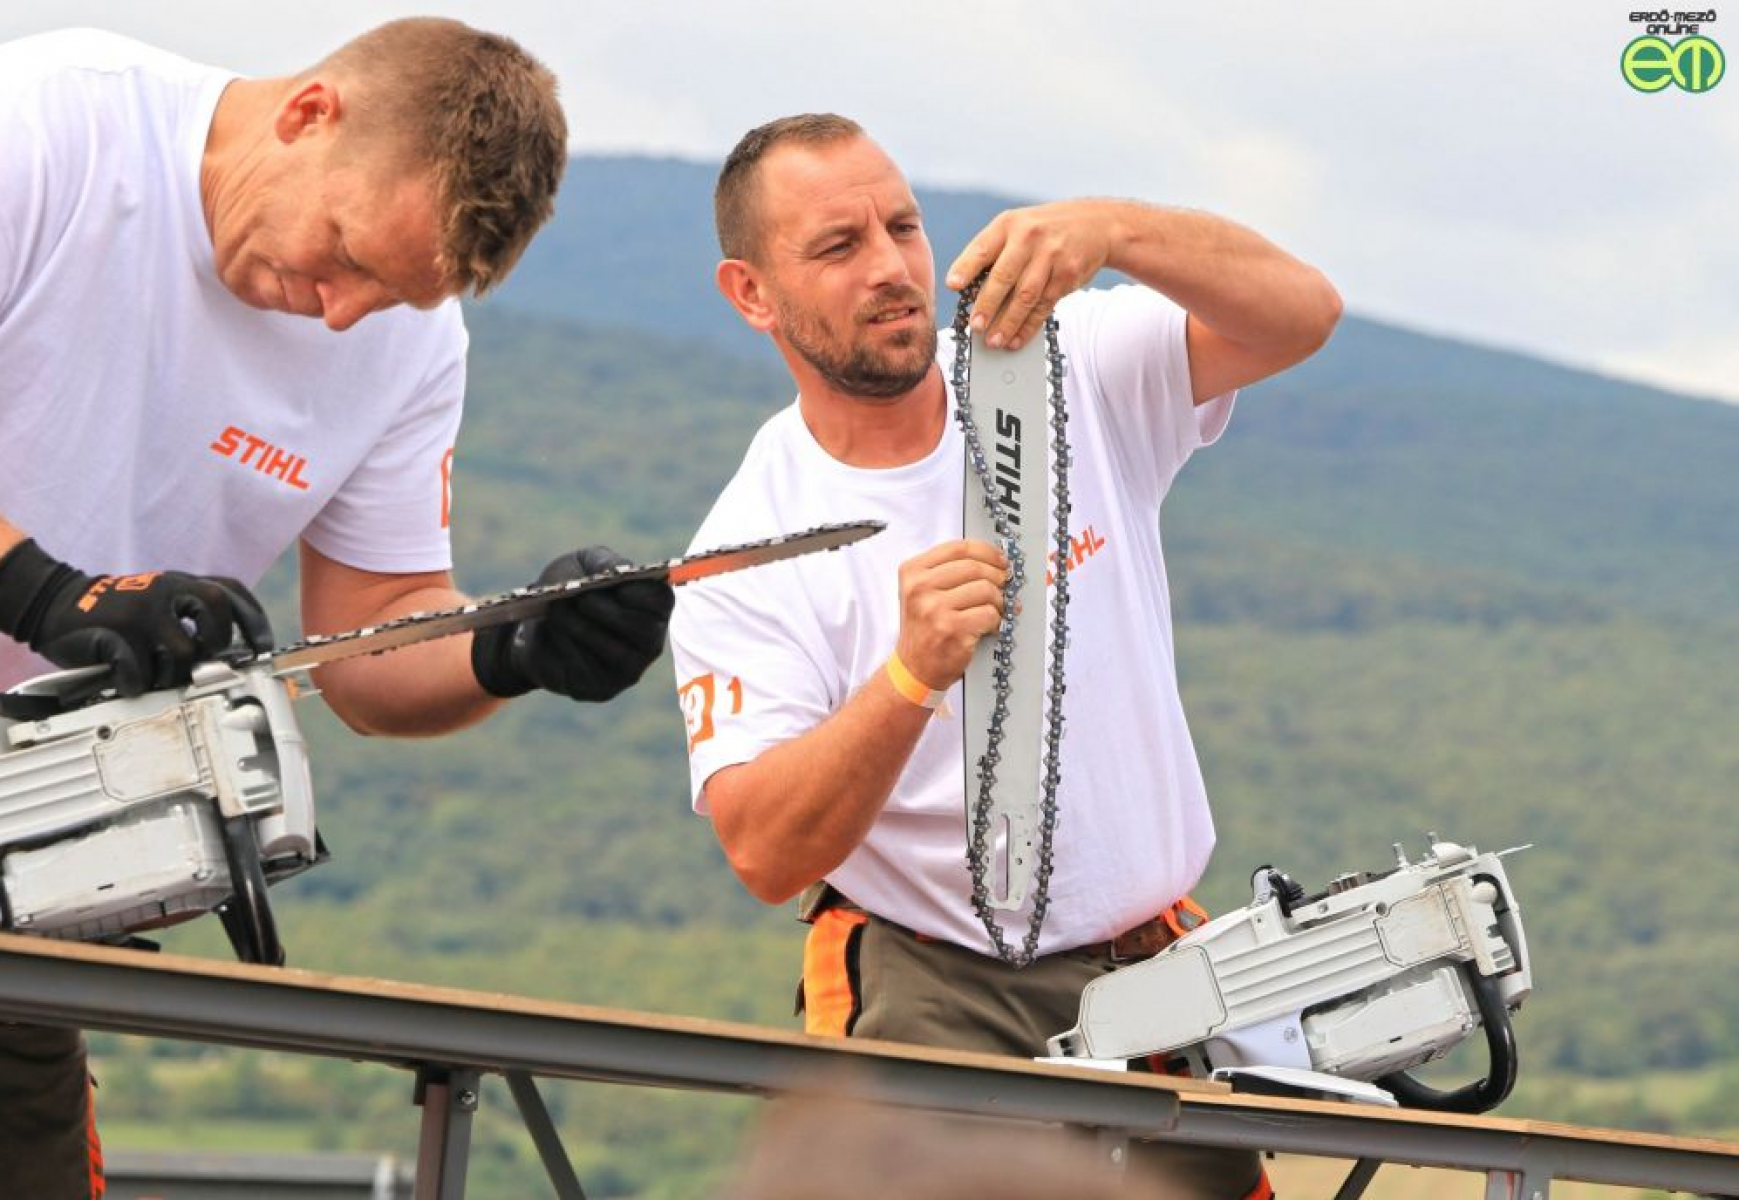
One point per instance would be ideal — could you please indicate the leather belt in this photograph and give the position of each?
(1143, 941)
(1150, 937)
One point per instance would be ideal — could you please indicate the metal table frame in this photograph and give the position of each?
(450, 1037)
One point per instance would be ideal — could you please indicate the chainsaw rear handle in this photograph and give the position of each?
(247, 914)
(1500, 1077)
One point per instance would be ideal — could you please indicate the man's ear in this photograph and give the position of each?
(741, 284)
(313, 104)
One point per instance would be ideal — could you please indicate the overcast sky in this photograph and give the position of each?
(1473, 169)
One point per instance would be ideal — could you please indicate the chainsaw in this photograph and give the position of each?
(119, 815)
(1339, 994)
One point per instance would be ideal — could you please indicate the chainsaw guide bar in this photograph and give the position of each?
(532, 601)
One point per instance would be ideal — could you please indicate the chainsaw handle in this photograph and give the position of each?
(1500, 1077)
(247, 914)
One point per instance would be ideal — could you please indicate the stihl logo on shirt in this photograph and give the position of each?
(262, 456)
(1081, 549)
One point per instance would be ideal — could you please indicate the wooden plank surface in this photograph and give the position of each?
(501, 1002)
(1191, 1093)
(1518, 1125)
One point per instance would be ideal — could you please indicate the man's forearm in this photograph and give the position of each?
(10, 535)
(1238, 283)
(793, 814)
(416, 691)
(1254, 309)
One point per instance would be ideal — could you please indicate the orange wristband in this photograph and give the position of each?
(911, 687)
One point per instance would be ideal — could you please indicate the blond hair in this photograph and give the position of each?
(476, 113)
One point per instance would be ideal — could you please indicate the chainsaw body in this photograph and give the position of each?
(125, 815)
(1377, 975)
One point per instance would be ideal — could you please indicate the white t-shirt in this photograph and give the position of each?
(763, 656)
(148, 418)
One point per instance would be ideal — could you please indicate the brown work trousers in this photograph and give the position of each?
(866, 977)
(48, 1147)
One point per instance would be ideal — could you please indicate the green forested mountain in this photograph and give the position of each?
(1420, 585)
(632, 246)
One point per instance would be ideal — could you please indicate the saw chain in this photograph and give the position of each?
(531, 601)
(124, 814)
(1031, 795)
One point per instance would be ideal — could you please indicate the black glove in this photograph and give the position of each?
(590, 646)
(150, 629)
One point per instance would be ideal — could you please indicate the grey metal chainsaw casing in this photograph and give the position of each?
(110, 814)
(1366, 980)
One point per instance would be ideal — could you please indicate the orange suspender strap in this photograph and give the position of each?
(1263, 1189)
(830, 1002)
(98, 1184)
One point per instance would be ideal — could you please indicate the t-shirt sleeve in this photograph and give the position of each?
(45, 143)
(16, 177)
(748, 675)
(1134, 343)
(393, 513)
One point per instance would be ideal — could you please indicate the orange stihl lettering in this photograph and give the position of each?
(1081, 548)
(280, 464)
(119, 583)
(1084, 545)
(94, 593)
(237, 443)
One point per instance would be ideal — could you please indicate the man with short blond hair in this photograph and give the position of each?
(169, 426)
(480, 115)
(819, 741)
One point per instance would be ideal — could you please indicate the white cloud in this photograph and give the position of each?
(1475, 169)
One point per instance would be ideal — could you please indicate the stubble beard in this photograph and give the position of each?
(861, 370)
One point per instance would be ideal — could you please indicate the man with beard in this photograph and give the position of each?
(819, 743)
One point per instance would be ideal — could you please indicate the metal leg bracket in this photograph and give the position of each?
(1523, 1184)
(1358, 1179)
(448, 1099)
(544, 1136)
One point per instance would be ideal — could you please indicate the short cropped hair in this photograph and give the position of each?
(735, 213)
(478, 114)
